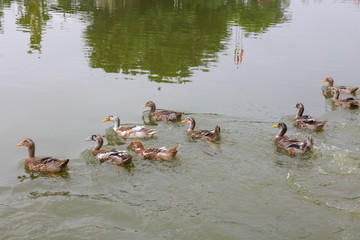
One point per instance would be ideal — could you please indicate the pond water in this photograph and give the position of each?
(243, 65)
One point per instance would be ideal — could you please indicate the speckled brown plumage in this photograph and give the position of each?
(164, 115)
(42, 164)
(162, 154)
(306, 121)
(342, 89)
(292, 145)
(114, 156)
(205, 135)
(346, 103)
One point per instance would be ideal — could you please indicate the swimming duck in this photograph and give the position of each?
(292, 145)
(115, 156)
(346, 103)
(342, 89)
(162, 154)
(42, 164)
(306, 121)
(129, 132)
(164, 115)
(206, 135)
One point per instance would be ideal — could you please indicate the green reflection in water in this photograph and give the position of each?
(3, 4)
(166, 40)
(33, 17)
(157, 39)
(169, 39)
(257, 16)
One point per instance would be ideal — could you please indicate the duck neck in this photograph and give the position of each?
(99, 143)
(152, 108)
(282, 131)
(31, 151)
(331, 82)
(301, 111)
(192, 125)
(117, 123)
(139, 147)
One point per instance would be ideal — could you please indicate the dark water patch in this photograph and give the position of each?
(100, 197)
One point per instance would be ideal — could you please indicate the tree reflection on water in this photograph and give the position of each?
(166, 40)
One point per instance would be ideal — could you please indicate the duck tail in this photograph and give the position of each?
(217, 131)
(64, 164)
(153, 131)
(309, 143)
(323, 123)
(127, 159)
(174, 150)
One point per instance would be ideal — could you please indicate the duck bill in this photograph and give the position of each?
(184, 121)
(324, 80)
(106, 119)
(276, 126)
(143, 106)
(20, 144)
(88, 138)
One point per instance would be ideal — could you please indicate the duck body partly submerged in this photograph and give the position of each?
(306, 121)
(162, 154)
(292, 145)
(114, 156)
(342, 89)
(42, 164)
(346, 102)
(205, 135)
(164, 115)
(129, 132)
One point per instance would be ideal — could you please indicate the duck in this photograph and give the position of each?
(42, 164)
(206, 135)
(162, 154)
(164, 115)
(342, 89)
(114, 156)
(306, 121)
(129, 132)
(292, 145)
(346, 103)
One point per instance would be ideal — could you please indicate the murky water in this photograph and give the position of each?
(242, 65)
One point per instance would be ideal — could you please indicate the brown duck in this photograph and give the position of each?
(42, 164)
(206, 135)
(306, 121)
(346, 103)
(162, 154)
(292, 145)
(342, 89)
(114, 156)
(164, 115)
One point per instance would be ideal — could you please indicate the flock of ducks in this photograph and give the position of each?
(120, 158)
(295, 146)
